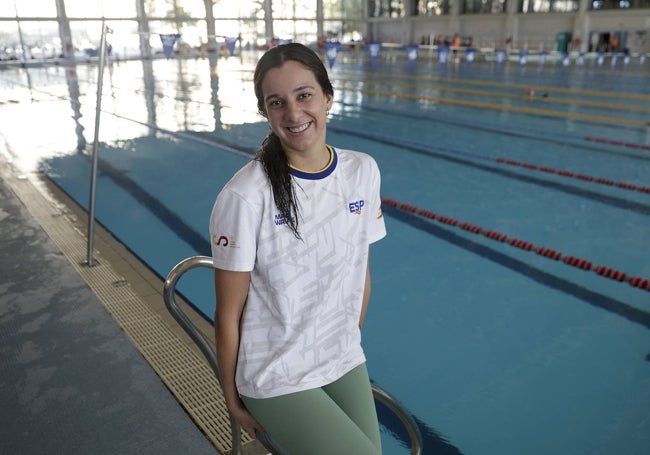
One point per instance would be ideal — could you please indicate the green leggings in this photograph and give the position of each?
(339, 418)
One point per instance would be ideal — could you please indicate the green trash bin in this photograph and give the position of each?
(563, 39)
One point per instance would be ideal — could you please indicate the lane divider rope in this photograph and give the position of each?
(583, 264)
(587, 178)
(631, 145)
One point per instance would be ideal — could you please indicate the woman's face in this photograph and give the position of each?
(296, 108)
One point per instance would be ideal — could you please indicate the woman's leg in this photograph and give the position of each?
(312, 422)
(353, 395)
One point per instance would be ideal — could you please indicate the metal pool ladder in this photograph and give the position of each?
(169, 292)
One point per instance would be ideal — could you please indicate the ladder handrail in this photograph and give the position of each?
(209, 353)
(169, 292)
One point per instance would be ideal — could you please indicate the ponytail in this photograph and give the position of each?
(277, 169)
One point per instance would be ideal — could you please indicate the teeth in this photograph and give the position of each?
(299, 129)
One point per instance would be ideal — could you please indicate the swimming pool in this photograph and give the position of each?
(489, 319)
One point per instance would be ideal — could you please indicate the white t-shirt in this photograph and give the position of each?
(300, 323)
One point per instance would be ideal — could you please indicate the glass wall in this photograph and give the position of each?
(33, 26)
(98, 8)
(241, 18)
(40, 39)
(29, 29)
(32, 8)
(343, 20)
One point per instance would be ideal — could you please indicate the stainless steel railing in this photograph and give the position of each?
(208, 351)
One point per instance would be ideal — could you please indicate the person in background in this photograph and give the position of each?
(290, 234)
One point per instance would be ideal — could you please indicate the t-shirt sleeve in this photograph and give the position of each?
(233, 232)
(377, 227)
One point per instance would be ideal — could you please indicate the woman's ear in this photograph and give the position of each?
(330, 101)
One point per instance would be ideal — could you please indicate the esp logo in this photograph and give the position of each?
(356, 206)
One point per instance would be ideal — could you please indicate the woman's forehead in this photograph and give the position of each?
(289, 76)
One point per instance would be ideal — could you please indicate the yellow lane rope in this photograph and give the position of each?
(571, 91)
(502, 107)
(596, 104)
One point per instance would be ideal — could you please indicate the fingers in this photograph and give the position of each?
(254, 431)
(247, 421)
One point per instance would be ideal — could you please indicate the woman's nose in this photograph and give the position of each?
(291, 109)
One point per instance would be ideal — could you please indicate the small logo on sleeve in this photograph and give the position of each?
(224, 241)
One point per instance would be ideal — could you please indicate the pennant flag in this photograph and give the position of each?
(470, 55)
(412, 52)
(168, 41)
(501, 56)
(600, 59)
(581, 59)
(331, 51)
(523, 56)
(443, 55)
(642, 59)
(565, 60)
(374, 49)
(230, 44)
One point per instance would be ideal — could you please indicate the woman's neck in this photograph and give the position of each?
(311, 162)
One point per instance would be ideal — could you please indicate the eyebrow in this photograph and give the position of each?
(297, 89)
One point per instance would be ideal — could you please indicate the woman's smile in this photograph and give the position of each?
(299, 128)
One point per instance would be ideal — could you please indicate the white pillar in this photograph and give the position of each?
(64, 31)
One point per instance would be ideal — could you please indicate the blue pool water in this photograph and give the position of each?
(493, 348)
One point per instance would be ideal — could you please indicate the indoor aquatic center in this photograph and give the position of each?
(510, 307)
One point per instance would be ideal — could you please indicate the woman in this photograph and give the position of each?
(290, 244)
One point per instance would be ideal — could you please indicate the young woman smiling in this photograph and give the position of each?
(291, 235)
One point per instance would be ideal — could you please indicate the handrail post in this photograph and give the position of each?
(93, 170)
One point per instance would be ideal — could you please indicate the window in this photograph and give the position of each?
(483, 6)
(35, 8)
(547, 6)
(386, 8)
(100, 8)
(432, 7)
(618, 4)
(342, 9)
(290, 9)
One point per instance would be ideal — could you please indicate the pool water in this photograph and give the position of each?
(492, 347)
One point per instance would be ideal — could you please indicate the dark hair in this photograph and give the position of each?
(271, 153)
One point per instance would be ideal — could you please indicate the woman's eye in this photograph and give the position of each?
(304, 96)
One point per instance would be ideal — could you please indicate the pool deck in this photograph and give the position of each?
(91, 361)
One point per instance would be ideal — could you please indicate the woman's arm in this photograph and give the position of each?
(366, 295)
(231, 289)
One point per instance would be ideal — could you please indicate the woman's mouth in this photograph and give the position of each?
(299, 128)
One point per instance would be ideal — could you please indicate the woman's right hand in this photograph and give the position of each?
(245, 419)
